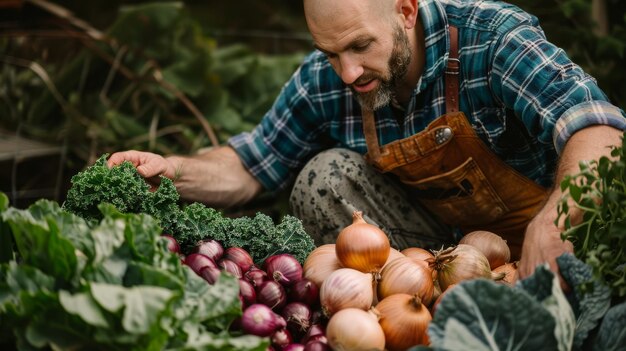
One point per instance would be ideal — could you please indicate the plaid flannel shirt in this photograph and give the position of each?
(523, 96)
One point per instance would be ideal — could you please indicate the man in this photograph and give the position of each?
(466, 115)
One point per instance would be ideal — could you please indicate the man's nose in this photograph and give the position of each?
(351, 69)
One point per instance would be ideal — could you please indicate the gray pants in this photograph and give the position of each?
(337, 182)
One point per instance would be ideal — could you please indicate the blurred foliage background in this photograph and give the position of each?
(83, 78)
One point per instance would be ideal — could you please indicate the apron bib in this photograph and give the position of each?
(451, 171)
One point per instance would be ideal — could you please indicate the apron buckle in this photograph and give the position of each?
(442, 135)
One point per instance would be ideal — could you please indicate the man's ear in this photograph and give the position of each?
(408, 9)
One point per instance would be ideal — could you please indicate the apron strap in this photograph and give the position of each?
(452, 72)
(371, 136)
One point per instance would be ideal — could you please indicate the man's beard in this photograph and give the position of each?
(397, 67)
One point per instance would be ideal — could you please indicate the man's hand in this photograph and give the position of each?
(543, 244)
(149, 165)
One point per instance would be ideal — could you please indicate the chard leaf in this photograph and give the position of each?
(144, 304)
(40, 244)
(591, 305)
(491, 316)
(545, 287)
(139, 273)
(108, 237)
(110, 297)
(84, 306)
(612, 333)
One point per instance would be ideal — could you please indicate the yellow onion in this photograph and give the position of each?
(393, 254)
(408, 276)
(404, 320)
(362, 246)
(508, 272)
(345, 288)
(491, 245)
(418, 253)
(353, 329)
(458, 263)
(320, 263)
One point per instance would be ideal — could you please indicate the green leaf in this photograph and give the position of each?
(110, 297)
(144, 304)
(83, 305)
(612, 333)
(491, 316)
(545, 287)
(590, 305)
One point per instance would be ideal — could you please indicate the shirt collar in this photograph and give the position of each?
(435, 22)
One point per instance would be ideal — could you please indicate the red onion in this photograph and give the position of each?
(313, 332)
(209, 247)
(210, 274)
(198, 261)
(316, 346)
(256, 276)
(271, 294)
(319, 337)
(260, 320)
(240, 256)
(230, 266)
(247, 293)
(318, 317)
(294, 347)
(172, 244)
(284, 268)
(298, 317)
(281, 338)
(304, 291)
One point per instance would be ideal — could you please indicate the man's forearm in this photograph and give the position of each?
(216, 178)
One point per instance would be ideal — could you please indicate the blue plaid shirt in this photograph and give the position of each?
(523, 96)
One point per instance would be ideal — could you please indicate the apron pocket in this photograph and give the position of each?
(460, 197)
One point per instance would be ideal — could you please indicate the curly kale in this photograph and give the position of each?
(120, 186)
(124, 188)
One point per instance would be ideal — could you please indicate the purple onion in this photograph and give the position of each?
(260, 320)
(318, 317)
(271, 294)
(316, 346)
(314, 331)
(229, 266)
(304, 291)
(172, 244)
(284, 268)
(210, 274)
(319, 337)
(210, 248)
(198, 261)
(256, 276)
(240, 256)
(298, 317)
(247, 293)
(294, 347)
(281, 338)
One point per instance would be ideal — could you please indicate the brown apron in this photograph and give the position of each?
(455, 175)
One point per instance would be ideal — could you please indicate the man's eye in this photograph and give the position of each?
(361, 47)
(331, 56)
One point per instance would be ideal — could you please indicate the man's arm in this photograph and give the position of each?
(542, 242)
(217, 177)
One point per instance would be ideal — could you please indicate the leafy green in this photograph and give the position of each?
(590, 306)
(188, 224)
(612, 333)
(599, 191)
(115, 288)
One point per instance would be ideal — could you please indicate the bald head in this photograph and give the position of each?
(331, 10)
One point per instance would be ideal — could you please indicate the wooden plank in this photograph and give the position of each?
(18, 148)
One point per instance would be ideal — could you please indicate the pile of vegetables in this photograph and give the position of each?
(123, 187)
(277, 301)
(107, 285)
(458, 298)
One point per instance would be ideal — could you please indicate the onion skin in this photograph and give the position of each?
(458, 263)
(406, 275)
(320, 263)
(393, 254)
(362, 246)
(346, 288)
(404, 320)
(355, 329)
(510, 273)
(491, 245)
(418, 253)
